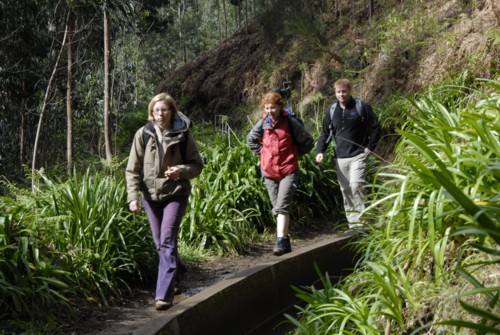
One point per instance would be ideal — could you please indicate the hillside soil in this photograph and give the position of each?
(445, 39)
(134, 311)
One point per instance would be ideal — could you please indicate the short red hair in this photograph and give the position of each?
(272, 98)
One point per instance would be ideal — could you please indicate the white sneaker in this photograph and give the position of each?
(162, 305)
(355, 225)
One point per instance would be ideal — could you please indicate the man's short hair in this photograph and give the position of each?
(343, 82)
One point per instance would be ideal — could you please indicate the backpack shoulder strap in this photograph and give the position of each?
(289, 125)
(330, 126)
(145, 135)
(183, 145)
(359, 106)
(332, 110)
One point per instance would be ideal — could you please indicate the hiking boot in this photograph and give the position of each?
(162, 305)
(282, 246)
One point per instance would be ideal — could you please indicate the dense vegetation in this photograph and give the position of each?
(434, 242)
(430, 264)
(73, 244)
(69, 243)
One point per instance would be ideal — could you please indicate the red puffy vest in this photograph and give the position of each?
(279, 156)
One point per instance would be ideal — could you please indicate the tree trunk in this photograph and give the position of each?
(69, 95)
(44, 107)
(219, 29)
(107, 91)
(21, 135)
(246, 16)
(225, 17)
(371, 8)
(237, 16)
(180, 14)
(336, 8)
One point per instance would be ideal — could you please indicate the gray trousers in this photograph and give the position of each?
(281, 192)
(351, 174)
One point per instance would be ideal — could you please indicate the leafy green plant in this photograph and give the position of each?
(436, 210)
(30, 283)
(228, 203)
(93, 233)
(70, 243)
(332, 310)
(318, 195)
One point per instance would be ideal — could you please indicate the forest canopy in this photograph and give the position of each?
(75, 76)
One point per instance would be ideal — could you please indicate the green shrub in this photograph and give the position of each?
(435, 242)
(68, 243)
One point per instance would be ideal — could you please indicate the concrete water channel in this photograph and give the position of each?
(253, 301)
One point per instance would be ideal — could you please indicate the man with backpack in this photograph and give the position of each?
(356, 131)
(279, 139)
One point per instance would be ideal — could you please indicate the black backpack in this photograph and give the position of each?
(295, 116)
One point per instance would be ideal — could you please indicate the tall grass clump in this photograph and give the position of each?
(228, 203)
(30, 284)
(71, 244)
(318, 195)
(431, 262)
(99, 239)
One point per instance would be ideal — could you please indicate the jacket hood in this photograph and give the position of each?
(181, 123)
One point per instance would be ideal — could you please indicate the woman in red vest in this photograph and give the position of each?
(279, 139)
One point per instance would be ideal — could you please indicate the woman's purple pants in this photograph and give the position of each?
(165, 219)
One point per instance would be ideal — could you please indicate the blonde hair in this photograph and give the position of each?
(168, 100)
(272, 98)
(343, 82)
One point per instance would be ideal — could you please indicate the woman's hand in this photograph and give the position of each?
(173, 172)
(134, 206)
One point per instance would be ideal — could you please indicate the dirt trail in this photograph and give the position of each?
(132, 313)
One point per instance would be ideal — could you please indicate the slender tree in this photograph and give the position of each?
(371, 8)
(219, 29)
(44, 105)
(336, 7)
(107, 89)
(181, 11)
(246, 16)
(69, 93)
(237, 13)
(21, 133)
(225, 18)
